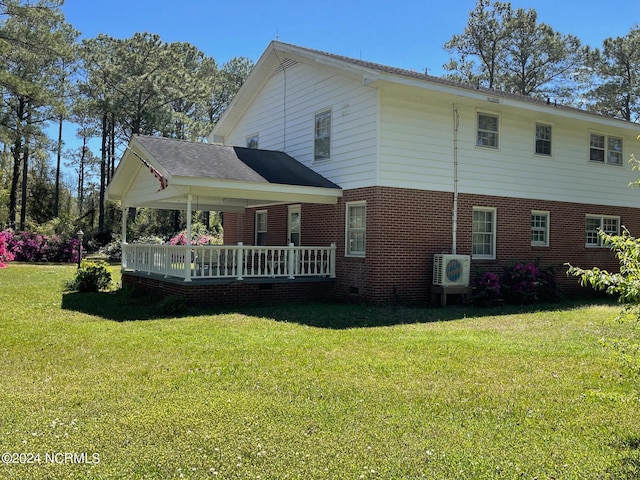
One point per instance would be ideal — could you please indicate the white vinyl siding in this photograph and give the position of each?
(356, 229)
(284, 112)
(483, 235)
(594, 223)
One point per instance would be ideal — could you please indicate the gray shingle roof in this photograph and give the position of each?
(193, 159)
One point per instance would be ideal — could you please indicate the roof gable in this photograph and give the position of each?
(278, 55)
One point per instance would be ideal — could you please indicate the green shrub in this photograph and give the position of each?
(92, 276)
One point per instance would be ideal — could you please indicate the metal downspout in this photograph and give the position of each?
(454, 214)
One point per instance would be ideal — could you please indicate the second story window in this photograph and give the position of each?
(605, 149)
(253, 141)
(487, 130)
(543, 139)
(322, 136)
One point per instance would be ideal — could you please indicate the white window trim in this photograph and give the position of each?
(601, 218)
(606, 149)
(488, 114)
(256, 230)
(548, 215)
(535, 139)
(493, 232)
(347, 250)
(324, 111)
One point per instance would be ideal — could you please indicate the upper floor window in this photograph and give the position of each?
(543, 139)
(322, 136)
(594, 223)
(356, 229)
(487, 130)
(261, 227)
(540, 229)
(483, 233)
(603, 148)
(253, 141)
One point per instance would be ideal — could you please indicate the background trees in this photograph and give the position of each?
(109, 88)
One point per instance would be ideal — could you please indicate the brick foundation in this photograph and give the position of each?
(235, 293)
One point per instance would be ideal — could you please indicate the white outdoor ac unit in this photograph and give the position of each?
(451, 270)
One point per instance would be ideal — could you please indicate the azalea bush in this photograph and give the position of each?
(199, 236)
(35, 247)
(520, 283)
(486, 289)
(5, 254)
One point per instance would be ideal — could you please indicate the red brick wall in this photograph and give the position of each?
(231, 294)
(406, 228)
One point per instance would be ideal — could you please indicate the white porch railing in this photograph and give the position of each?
(230, 261)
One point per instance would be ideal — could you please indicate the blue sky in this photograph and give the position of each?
(402, 33)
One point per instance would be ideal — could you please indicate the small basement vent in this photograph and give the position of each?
(451, 270)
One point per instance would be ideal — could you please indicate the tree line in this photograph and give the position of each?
(109, 89)
(510, 50)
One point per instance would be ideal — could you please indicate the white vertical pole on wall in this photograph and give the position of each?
(239, 261)
(187, 250)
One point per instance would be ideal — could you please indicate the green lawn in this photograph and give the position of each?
(291, 392)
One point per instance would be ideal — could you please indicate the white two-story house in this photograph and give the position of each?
(418, 166)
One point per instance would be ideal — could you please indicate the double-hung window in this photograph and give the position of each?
(322, 136)
(253, 141)
(603, 149)
(483, 234)
(356, 234)
(543, 139)
(261, 227)
(487, 130)
(609, 224)
(539, 229)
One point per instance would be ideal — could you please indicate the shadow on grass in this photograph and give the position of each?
(119, 305)
(123, 306)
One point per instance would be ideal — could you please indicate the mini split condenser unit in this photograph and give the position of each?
(449, 270)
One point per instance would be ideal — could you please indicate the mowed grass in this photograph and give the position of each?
(289, 391)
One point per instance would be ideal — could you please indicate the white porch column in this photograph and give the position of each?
(123, 242)
(187, 250)
(125, 211)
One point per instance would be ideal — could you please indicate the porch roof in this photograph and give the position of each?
(161, 172)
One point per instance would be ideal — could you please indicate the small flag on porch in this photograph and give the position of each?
(158, 175)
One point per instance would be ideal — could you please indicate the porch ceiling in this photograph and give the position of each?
(161, 173)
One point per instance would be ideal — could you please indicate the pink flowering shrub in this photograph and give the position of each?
(181, 239)
(33, 247)
(520, 283)
(486, 289)
(5, 255)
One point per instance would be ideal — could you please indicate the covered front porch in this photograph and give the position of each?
(230, 262)
(171, 174)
